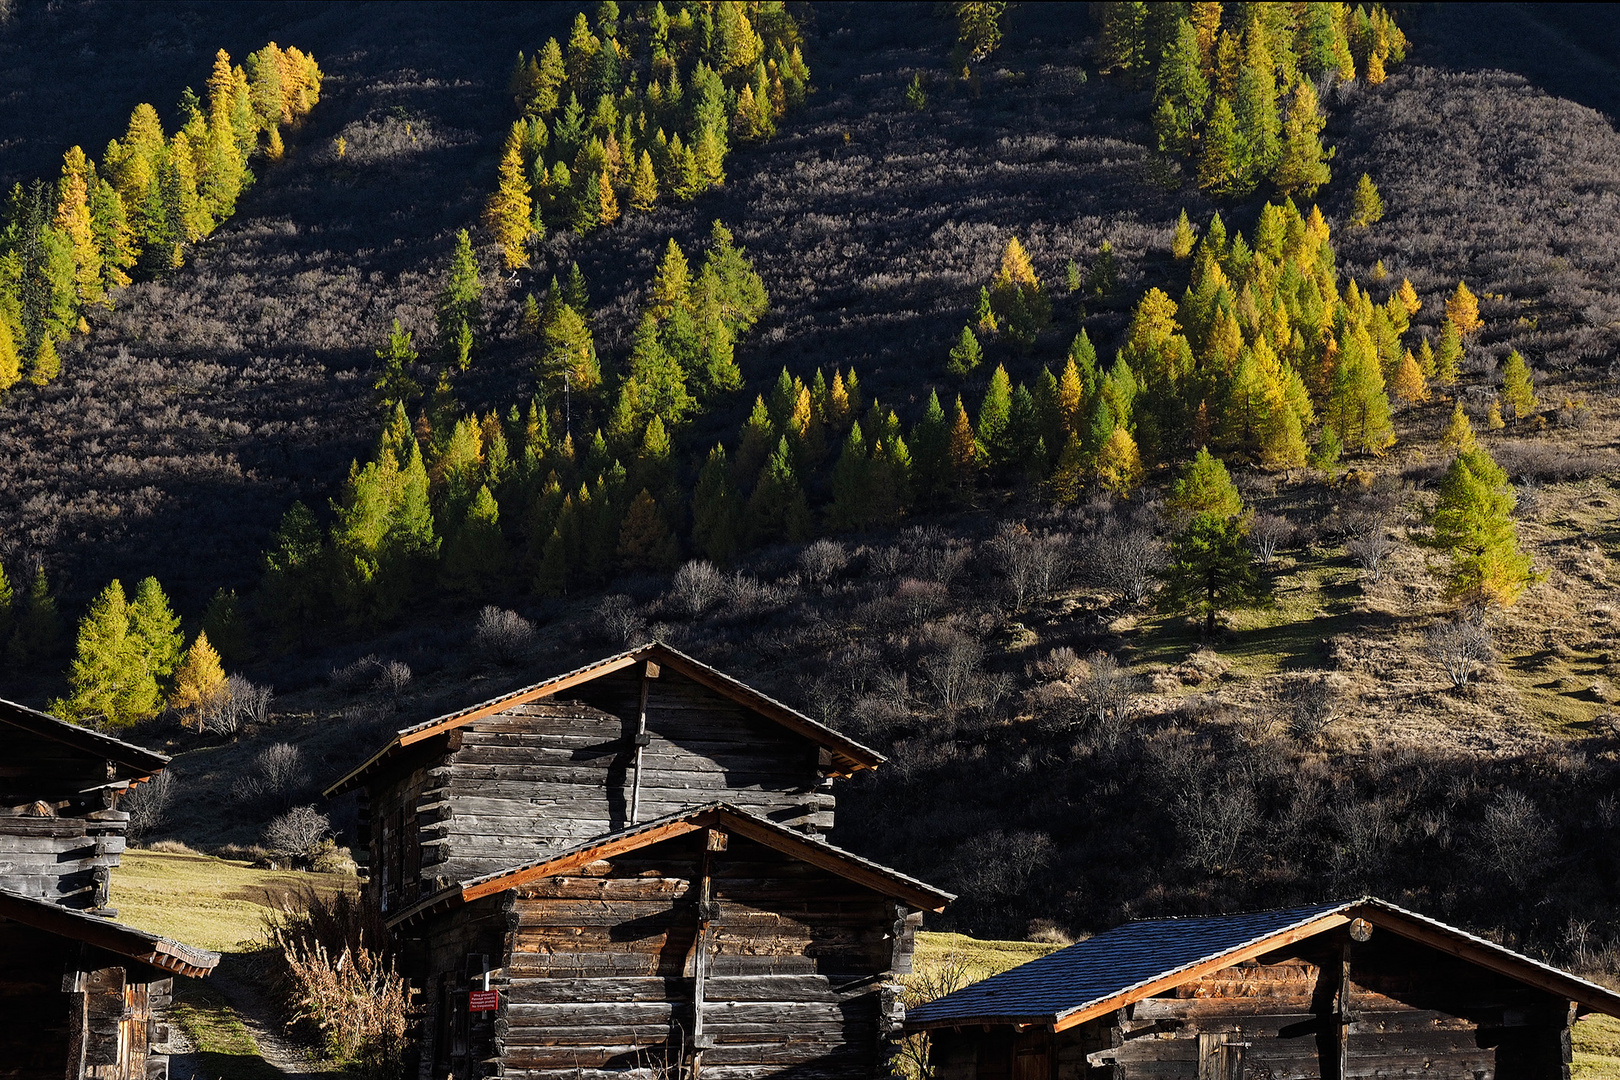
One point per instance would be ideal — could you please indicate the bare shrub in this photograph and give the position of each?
(1460, 647)
(619, 620)
(276, 778)
(1370, 551)
(392, 680)
(1518, 837)
(1060, 663)
(1104, 695)
(697, 587)
(352, 678)
(1551, 463)
(1126, 560)
(953, 668)
(297, 834)
(1307, 705)
(1213, 823)
(1030, 565)
(504, 636)
(238, 704)
(822, 561)
(148, 804)
(918, 601)
(1269, 533)
(928, 980)
(355, 1002)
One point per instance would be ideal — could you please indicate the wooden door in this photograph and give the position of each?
(1220, 1055)
(1032, 1055)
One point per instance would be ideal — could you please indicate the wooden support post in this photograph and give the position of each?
(648, 673)
(715, 841)
(1341, 1013)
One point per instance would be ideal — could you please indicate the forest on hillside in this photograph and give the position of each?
(1180, 437)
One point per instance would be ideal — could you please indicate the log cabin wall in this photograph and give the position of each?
(600, 968)
(60, 834)
(75, 1011)
(446, 962)
(536, 779)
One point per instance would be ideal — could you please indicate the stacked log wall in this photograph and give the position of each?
(60, 836)
(600, 968)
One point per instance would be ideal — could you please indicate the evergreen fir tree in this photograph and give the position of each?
(294, 563)
(994, 412)
(115, 243)
(1301, 167)
(460, 301)
(1181, 244)
(1211, 570)
(395, 385)
(965, 354)
(645, 541)
(1367, 205)
(477, 558)
(656, 385)
(1518, 390)
(1220, 164)
(1180, 92)
(851, 507)
(223, 623)
(155, 629)
(778, 510)
(1205, 487)
(109, 680)
(1473, 523)
(1448, 354)
(931, 463)
(716, 510)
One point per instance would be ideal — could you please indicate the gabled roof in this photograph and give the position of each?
(721, 815)
(137, 762)
(1142, 959)
(848, 755)
(153, 950)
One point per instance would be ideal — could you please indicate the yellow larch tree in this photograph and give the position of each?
(1408, 383)
(644, 184)
(1463, 310)
(672, 284)
(73, 221)
(508, 213)
(608, 211)
(1409, 297)
(200, 679)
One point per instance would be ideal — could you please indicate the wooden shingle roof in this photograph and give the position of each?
(153, 950)
(1143, 959)
(852, 867)
(848, 756)
(133, 762)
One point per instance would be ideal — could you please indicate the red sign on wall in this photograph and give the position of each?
(483, 1000)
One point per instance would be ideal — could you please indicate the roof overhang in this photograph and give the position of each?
(881, 879)
(153, 950)
(848, 756)
(138, 762)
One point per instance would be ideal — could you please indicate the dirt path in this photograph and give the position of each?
(250, 1006)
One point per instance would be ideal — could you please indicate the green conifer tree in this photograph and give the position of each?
(965, 354)
(1473, 524)
(1367, 206)
(1211, 570)
(395, 384)
(460, 301)
(1518, 389)
(156, 630)
(778, 510)
(110, 682)
(477, 558)
(716, 510)
(994, 412)
(1205, 487)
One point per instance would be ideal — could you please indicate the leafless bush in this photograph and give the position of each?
(504, 636)
(1268, 533)
(1307, 705)
(276, 778)
(1030, 565)
(1459, 647)
(298, 833)
(822, 561)
(619, 620)
(1126, 559)
(1104, 694)
(1518, 837)
(1370, 551)
(697, 587)
(239, 704)
(148, 804)
(1552, 463)
(919, 601)
(1572, 414)
(359, 675)
(392, 680)
(1213, 823)
(953, 668)
(1059, 663)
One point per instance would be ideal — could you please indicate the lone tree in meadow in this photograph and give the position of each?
(1210, 569)
(1473, 524)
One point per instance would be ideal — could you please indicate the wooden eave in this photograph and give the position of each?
(143, 947)
(1381, 914)
(852, 867)
(139, 762)
(848, 756)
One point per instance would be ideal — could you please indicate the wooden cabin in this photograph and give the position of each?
(1336, 991)
(631, 738)
(82, 996)
(710, 942)
(61, 832)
